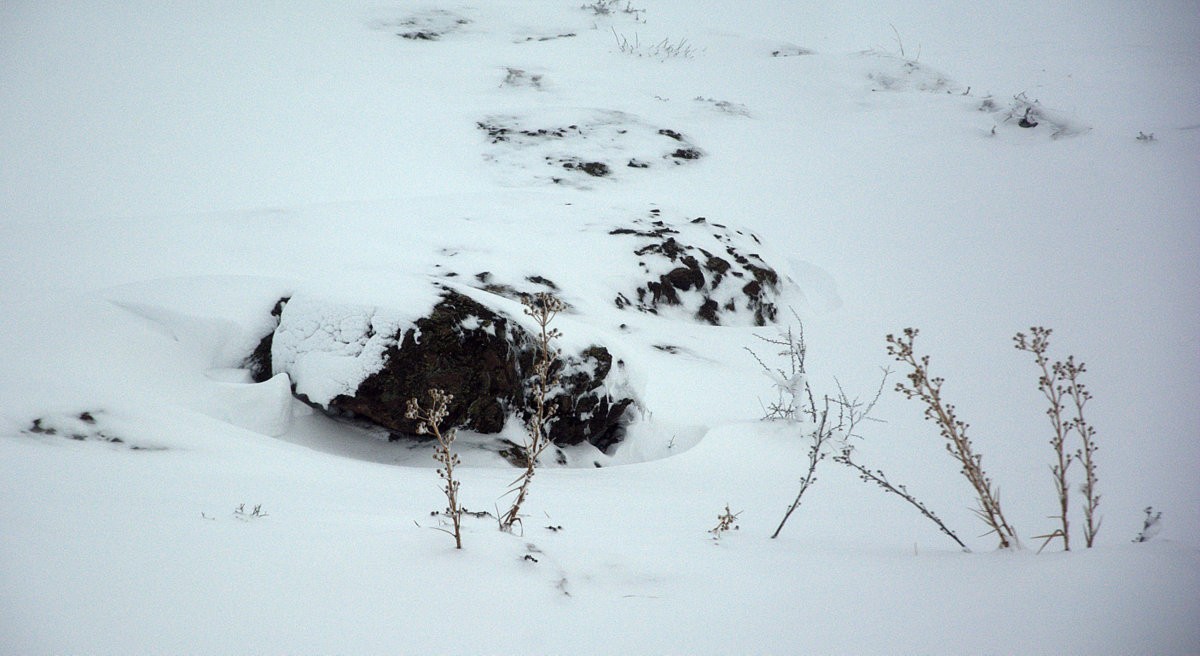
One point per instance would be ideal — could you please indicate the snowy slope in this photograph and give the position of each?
(168, 172)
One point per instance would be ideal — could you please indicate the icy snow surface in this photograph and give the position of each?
(169, 171)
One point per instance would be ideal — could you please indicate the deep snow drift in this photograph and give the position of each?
(169, 172)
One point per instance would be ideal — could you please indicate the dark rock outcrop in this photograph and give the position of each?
(484, 359)
(714, 285)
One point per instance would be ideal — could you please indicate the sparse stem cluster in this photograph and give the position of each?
(929, 392)
(1049, 383)
(791, 384)
(429, 422)
(1059, 382)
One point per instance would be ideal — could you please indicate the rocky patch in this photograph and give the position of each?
(575, 147)
(87, 426)
(479, 354)
(707, 270)
(429, 25)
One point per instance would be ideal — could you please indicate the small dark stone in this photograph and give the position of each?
(420, 36)
(686, 277)
(545, 282)
(708, 312)
(594, 169)
(671, 133)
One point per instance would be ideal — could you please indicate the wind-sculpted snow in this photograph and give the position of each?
(171, 171)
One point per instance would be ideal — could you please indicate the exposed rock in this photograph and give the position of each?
(259, 361)
(482, 357)
(683, 272)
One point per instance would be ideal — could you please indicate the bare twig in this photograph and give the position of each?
(879, 478)
(834, 421)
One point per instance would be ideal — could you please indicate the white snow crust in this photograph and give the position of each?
(169, 171)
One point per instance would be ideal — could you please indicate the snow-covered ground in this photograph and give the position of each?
(169, 170)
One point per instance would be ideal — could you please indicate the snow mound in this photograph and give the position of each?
(329, 347)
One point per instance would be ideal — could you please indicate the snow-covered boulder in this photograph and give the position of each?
(367, 360)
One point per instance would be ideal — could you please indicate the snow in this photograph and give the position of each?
(169, 172)
(329, 346)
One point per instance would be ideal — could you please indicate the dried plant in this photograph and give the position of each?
(958, 445)
(877, 477)
(1050, 383)
(241, 513)
(831, 422)
(1069, 371)
(662, 50)
(609, 7)
(791, 382)
(429, 422)
(542, 308)
(1151, 525)
(725, 521)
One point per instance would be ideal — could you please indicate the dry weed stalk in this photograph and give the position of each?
(1051, 387)
(429, 422)
(879, 478)
(1069, 372)
(542, 308)
(958, 445)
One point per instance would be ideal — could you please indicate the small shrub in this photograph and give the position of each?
(662, 50)
(246, 515)
(725, 521)
(610, 7)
